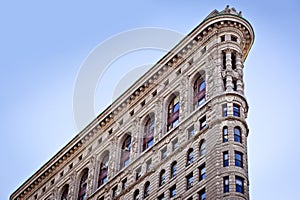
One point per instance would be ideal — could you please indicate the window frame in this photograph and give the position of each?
(162, 177)
(202, 175)
(189, 181)
(236, 110)
(238, 159)
(225, 134)
(239, 187)
(173, 112)
(225, 159)
(237, 134)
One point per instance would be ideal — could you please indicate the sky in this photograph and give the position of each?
(44, 45)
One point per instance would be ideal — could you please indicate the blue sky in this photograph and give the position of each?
(44, 44)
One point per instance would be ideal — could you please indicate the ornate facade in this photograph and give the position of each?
(178, 133)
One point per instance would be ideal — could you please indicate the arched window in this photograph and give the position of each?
(225, 134)
(83, 185)
(125, 152)
(202, 147)
(136, 194)
(65, 193)
(190, 156)
(103, 170)
(162, 177)
(237, 134)
(199, 91)
(147, 189)
(173, 112)
(148, 139)
(173, 169)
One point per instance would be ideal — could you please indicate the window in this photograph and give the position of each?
(136, 194)
(225, 134)
(202, 123)
(162, 177)
(202, 172)
(189, 181)
(114, 192)
(199, 91)
(236, 110)
(224, 83)
(202, 147)
(161, 197)
(147, 189)
(173, 169)
(222, 38)
(239, 184)
(224, 110)
(202, 194)
(148, 139)
(65, 193)
(124, 184)
(164, 153)
(190, 156)
(226, 184)
(83, 185)
(175, 144)
(225, 159)
(233, 61)
(125, 153)
(102, 179)
(173, 191)
(173, 112)
(148, 165)
(191, 132)
(138, 173)
(224, 59)
(233, 38)
(234, 82)
(238, 159)
(101, 198)
(237, 134)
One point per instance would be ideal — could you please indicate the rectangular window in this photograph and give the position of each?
(175, 144)
(202, 172)
(173, 191)
(148, 165)
(224, 110)
(202, 122)
(114, 192)
(226, 184)
(222, 38)
(233, 38)
(236, 110)
(189, 181)
(225, 159)
(239, 184)
(224, 59)
(161, 197)
(138, 173)
(164, 153)
(225, 134)
(202, 194)
(238, 157)
(191, 132)
(124, 184)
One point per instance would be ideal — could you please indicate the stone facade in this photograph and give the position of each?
(178, 133)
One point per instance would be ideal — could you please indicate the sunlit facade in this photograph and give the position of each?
(180, 132)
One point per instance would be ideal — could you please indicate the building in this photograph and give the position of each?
(179, 132)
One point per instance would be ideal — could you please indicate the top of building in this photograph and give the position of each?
(227, 10)
(169, 62)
